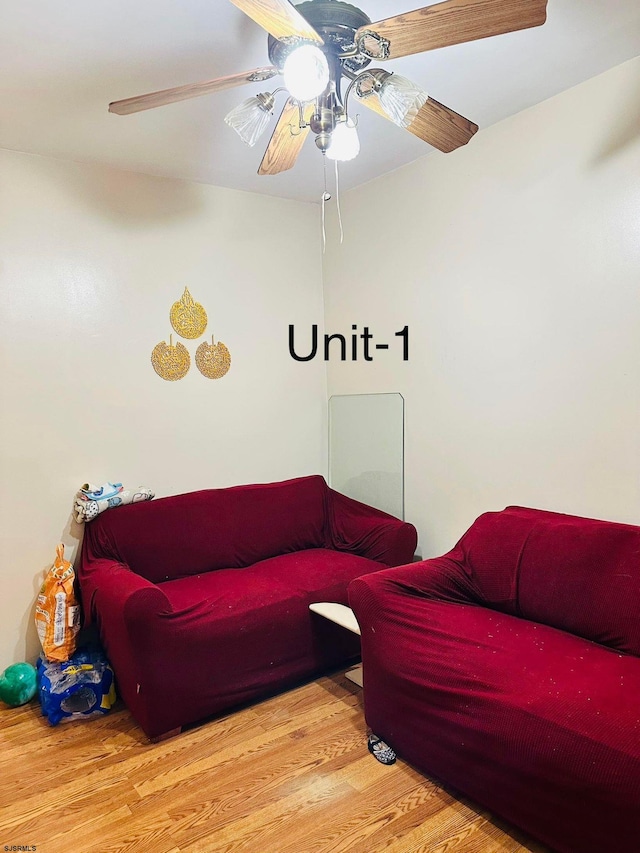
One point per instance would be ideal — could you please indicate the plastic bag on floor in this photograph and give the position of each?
(81, 687)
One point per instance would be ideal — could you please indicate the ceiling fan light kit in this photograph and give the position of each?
(401, 99)
(320, 43)
(250, 118)
(345, 143)
(306, 72)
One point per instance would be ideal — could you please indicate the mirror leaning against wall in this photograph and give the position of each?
(366, 449)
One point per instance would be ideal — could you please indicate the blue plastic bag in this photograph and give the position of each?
(81, 687)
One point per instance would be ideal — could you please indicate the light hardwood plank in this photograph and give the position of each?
(256, 784)
(291, 774)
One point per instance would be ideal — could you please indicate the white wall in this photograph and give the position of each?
(516, 263)
(91, 260)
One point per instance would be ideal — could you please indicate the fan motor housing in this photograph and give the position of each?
(336, 22)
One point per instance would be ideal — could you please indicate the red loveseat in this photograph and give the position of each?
(201, 600)
(509, 669)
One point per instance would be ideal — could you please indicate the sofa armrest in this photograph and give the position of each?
(111, 589)
(440, 579)
(369, 532)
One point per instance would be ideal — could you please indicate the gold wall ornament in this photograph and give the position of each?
(188, 318)
(170, 362)
(213, 360)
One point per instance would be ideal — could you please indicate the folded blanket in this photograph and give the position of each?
(87, 510)
(90, 492)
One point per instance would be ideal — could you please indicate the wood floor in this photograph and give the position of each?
(289, 775)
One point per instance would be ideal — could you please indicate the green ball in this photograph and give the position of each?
(18, 684)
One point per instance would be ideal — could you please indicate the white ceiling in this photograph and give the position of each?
(62, 63)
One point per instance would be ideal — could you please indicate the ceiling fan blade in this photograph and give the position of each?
(279, 18)
(454, 22)
(441, 127)
(436, 124)
(193, 90)
(287, 139)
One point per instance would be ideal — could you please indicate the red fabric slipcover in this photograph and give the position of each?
(509, 669)
(202, 599)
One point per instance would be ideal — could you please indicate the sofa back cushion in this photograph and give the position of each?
(190, 534)
(583, 576)
(490, 553)
(577, 574)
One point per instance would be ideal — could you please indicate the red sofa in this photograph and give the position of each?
(509, 669)
(201, 600)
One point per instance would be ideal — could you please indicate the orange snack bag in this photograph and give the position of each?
(58, 611)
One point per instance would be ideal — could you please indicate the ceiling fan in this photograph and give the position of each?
(319, 44)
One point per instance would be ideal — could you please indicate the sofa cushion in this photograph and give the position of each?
(195, 533)
(225, 592)
(235, 633)
(581, 575)
(313, 575)
(488, 556)
(320, 574)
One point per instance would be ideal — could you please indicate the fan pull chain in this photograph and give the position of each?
(324, 233)
(338, 202)
(325, 197)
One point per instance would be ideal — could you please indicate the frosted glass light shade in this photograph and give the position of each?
(345, 144)
(249, 120)
(401, 99)
(306, 72)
